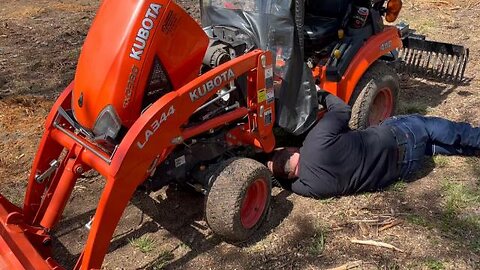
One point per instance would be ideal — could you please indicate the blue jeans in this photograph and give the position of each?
(427, 136)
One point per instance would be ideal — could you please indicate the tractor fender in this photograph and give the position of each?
(374, 48)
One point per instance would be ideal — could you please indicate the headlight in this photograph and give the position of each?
(108, 124)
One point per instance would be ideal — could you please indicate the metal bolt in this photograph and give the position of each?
(47, 241)
(79, 169)
(177, 140)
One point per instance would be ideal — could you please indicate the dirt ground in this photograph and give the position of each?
(437, 218)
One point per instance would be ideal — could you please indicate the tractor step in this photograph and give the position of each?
(431, 59)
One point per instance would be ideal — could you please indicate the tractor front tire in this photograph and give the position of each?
(375, 96)
(239, 199)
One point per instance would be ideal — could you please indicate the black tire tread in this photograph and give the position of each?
(224, 200)
(366, 89)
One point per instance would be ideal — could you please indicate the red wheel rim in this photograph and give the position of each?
(382, 107)
(254, 203)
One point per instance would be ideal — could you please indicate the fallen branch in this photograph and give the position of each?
(347, 266)
(364, 221)
(390, 225)
(375, 243)
(441, 2)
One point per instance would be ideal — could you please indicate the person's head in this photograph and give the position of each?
(284, 163)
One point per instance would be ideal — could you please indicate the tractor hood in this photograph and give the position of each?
(135, 52)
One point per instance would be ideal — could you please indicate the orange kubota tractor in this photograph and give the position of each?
(157, 99)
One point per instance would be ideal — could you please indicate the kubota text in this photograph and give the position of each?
(144, 32)
(211, 84)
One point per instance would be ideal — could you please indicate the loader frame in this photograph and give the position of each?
(63, 156)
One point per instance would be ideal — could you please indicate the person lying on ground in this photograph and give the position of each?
(335, 160)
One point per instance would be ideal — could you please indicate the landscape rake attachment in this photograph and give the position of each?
(431, 59)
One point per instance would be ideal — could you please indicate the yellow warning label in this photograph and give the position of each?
(261, 96)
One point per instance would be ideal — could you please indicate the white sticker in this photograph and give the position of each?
(270, 95)
(268, 117)
(269, 72)
(179, 161)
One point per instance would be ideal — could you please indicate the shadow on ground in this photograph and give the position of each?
(181, 215)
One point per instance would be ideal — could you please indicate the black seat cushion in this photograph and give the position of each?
(319, 30)
(327, 8)
(323, 18)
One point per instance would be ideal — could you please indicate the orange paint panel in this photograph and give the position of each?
(118, 56)
(374, 48)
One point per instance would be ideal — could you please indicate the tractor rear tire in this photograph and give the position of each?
(375, 96)
(239, 199)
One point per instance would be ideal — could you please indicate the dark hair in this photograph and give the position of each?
(281, 163)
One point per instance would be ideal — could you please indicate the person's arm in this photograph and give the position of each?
(334, 122)
(315, 189)
(336, 118)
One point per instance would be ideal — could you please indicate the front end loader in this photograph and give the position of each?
(157, 99)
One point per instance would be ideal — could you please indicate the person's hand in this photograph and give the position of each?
(322, 95)
(270, 166)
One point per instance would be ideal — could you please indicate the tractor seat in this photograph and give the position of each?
(322, 20)
(319, 31)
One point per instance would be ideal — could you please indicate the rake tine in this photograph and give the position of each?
(405, 60)
(467, 54)
(406, 54)
(408, 60)
(447, 62)
(456, 67)
(414, 60)
(435, 64)
(451, 74)
(442, 65)
(431, 63)
(459, 67)
(423, 59)
(451, 60)
(419, 60)
(427, 65)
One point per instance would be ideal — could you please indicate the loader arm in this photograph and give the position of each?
(25, 233)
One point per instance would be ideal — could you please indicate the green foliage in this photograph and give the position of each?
(398, 186)
(145, 243)
(440, 161)
(163, 260)
(457, 221)
(457, 196)
(326, 201)
(434, 264)
(476, 246)
(412, 107)
(417, 220)
(317, 245)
